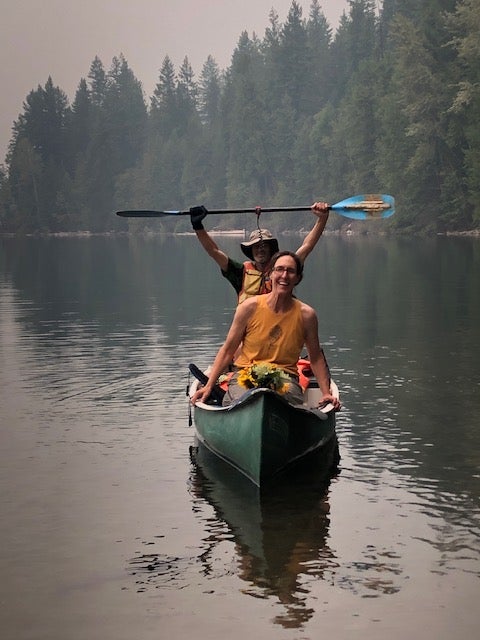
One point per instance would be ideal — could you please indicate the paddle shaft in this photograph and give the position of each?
(147, 213)
(356, 207)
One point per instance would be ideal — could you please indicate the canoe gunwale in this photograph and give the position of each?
(250, 396)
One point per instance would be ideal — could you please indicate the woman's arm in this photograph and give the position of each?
(227, 350)
(316, 356)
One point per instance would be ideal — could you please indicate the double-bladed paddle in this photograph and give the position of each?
(364, 207)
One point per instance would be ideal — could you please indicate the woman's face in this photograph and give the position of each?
(284, 274)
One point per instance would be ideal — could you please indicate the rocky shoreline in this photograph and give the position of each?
(472, 233)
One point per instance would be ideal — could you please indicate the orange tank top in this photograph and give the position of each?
(273, 337)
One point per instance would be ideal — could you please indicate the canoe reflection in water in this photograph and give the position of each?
(279, 535)
(282, 542)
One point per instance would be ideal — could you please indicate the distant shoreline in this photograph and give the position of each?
(472, 233)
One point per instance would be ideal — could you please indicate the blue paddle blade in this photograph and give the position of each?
(366, 207)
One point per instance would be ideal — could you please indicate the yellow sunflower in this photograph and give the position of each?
(267, 376)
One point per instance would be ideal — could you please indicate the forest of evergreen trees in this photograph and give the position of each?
(389, 103)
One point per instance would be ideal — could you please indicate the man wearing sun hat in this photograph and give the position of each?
(251, 278)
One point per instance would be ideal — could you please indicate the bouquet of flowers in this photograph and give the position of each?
(265, 375)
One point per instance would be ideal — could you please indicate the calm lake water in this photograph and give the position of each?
(110, 531)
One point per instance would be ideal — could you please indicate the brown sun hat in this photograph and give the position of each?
(259, 235)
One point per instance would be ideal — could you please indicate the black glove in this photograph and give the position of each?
(197, 214)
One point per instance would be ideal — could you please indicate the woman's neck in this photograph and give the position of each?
(279, 302)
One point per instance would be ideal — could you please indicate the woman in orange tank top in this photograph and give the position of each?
(273, 329)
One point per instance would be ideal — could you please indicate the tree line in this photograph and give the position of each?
(388, 103)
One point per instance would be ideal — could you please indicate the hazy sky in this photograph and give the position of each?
(60, 38)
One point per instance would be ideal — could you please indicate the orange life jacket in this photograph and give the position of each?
(254, 282)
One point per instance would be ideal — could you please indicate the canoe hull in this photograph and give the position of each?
(262, 435)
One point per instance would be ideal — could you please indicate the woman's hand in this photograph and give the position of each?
(327, 398)
(201, 395)
(320, 208)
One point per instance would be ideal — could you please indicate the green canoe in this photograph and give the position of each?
(262, 435)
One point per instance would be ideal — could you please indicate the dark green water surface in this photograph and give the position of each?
(111, 531)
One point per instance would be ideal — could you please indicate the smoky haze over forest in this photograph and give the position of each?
(304, 112)
(42, 38)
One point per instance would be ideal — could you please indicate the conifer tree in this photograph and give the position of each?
(210, 92)
(37, 155)
(117, 139)
(163, 106)
(187, 94)
(244, 113)
(295, 62)
(80, 124)
(464, 29)
(97, 81)
(319, 39)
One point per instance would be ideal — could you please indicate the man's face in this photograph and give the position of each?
(261, 253)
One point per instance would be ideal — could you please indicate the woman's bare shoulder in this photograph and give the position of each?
(247, 307)
(306, 308)
(308, 312)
